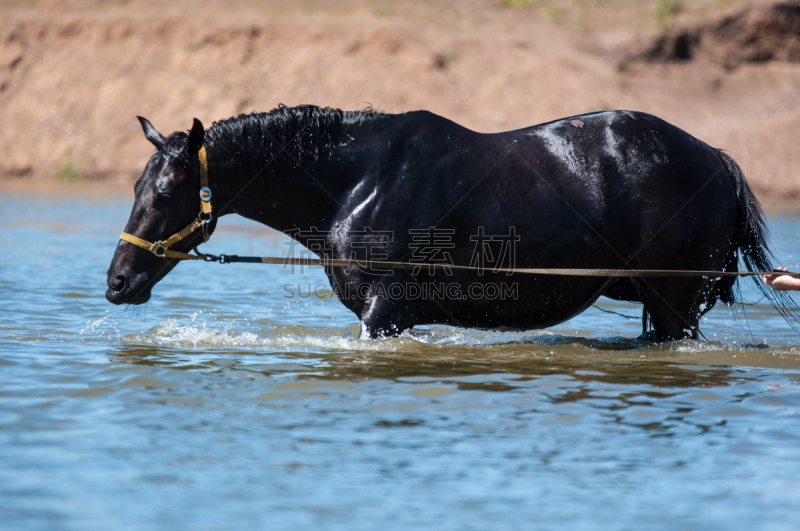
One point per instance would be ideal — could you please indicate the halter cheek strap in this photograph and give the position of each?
(161, 248)
(205, 191)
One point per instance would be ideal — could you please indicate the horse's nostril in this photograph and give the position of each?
(117, 283)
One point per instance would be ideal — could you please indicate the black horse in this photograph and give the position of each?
(604, 190)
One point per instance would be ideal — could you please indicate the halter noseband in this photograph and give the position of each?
(161, 248)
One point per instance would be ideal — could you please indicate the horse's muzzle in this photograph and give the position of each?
(127, 289)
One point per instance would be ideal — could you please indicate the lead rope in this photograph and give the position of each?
(369, 264)
(161, 249)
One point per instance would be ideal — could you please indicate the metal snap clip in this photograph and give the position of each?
(204, 228)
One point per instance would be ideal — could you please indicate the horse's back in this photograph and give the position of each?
(620, 167)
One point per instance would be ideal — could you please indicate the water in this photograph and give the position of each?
(221, 405)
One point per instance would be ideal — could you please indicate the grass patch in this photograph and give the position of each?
(666, 10)
(68, 174)
(519, 4)
(555, 12)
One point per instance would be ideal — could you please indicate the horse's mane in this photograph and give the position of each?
(284, 137)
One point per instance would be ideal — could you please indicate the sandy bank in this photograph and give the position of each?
(73, 75)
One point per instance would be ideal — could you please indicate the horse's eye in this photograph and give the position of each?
(163, 198)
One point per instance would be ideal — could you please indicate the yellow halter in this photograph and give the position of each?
(161, 248)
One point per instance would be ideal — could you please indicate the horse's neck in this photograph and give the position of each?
(304, 197)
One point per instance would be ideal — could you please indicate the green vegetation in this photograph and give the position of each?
(519, 4)
(666, 10)
(555, 12)
(68, 174)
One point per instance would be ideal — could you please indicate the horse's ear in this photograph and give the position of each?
(150, 133)
(196, 137)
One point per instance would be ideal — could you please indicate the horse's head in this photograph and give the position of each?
(167, 200)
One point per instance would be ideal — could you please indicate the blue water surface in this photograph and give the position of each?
(221, 404)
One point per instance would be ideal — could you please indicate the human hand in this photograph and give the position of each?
(782, 282)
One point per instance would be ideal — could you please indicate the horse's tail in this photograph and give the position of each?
(751, 240)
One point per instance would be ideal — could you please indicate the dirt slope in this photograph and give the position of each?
(752, 35)
(74, 74)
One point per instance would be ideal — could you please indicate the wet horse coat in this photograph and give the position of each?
(603, 190)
